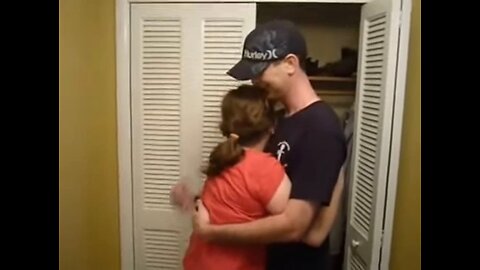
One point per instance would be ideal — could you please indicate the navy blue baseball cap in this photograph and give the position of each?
(267, 43)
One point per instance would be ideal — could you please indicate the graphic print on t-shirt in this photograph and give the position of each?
(283, 148)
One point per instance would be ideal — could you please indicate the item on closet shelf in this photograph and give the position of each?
(311, 66)
(344, 67)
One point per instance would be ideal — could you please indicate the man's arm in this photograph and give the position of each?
(288, 226)
(325, 219)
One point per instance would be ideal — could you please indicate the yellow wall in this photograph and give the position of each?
(88, 212)
(406, 246)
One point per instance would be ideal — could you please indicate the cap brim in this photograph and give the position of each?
(247, 70)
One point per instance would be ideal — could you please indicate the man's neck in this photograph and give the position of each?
(299, 96)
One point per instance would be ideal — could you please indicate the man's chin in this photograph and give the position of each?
(273, 96)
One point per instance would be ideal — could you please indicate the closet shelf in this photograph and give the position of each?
(331, 79)
(327, 92)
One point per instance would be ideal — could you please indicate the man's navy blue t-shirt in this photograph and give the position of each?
(311, 146)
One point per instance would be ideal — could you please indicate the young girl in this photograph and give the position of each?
(243, 183)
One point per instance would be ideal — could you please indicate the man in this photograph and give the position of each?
(308, 141)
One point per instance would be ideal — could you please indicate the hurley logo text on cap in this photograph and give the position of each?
(262, 56)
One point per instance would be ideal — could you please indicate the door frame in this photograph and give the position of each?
(124, 133)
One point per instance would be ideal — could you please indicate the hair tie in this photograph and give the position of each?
(233, 136)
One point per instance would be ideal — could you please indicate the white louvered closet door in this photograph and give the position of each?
(222, 48)
(373, 130)
(179, 56)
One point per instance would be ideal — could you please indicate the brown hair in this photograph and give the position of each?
(247, 116)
